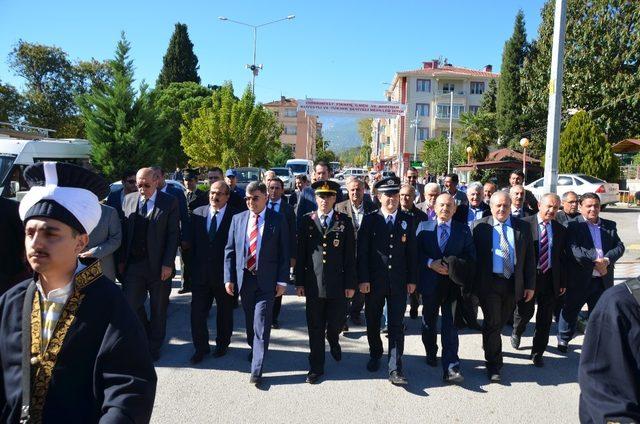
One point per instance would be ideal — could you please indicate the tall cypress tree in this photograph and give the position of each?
(180, 64)
(121, 125)
(510, 100)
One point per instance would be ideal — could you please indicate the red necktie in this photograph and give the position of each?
(253, 244)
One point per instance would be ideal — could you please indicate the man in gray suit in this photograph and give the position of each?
(105, 240)
(257, 263)
(150, 232)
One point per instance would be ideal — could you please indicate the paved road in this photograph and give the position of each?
(217, 390)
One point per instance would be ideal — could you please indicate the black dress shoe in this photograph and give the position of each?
(345, 328)
(385, 330)
(255, 380)
(453, 375)
(537, 360)
(413, 313)
(373, 365)
(197, 357)
(250, 356)
(494, 375)
(183, 291)
(336, 352)
(562, 347)
(396, 378)
(475, 325)
(220, 351)
(432, 361)
(312, 377)
(275, 324)
(515, 341)
(356, 319)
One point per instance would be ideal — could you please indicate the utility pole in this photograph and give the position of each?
(414, 124)
(555, 98)
(450, 133)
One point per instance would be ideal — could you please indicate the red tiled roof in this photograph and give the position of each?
(282, 102)
(450, 70)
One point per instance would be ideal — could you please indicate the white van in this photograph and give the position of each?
(16, 154)
(300, 166)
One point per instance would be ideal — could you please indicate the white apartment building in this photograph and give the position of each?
(427, 94)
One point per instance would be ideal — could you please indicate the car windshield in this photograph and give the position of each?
(590, 179)
(297, 167)
(247, 175)
(281, 172)
(6, 162)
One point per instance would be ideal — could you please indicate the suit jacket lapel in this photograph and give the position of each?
(316, 219)
(240, 241)
(268, 226)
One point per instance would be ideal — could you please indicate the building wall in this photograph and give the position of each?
(299, 129)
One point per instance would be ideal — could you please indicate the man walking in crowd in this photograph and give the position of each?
(150, 235)
(569, 209)
(475, 208)
(518, 207)
(412, 179)
(209, 234)
(595, 246)
(387, 272)
(446, 261)
(115, 199)
(236, 196)
(307, 200)
(431, 193)
(505, 273)
(355, 207)
(195, 199)
(301, 183)
(257, 265)
(488, 189)
(451, 187)
(325, 274)
(517, 179)
(275, 190)
(72, 349)
(105, 240)
(549, 239)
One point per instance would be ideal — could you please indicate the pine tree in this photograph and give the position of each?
(584, 149)
(180, 64)
(510, 100)
(488, 103)
(121, 125)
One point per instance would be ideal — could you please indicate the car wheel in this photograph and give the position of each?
(603, 207)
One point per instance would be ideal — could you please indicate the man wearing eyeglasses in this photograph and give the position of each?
(569, 208)
(257, 266)
(412, 178)
(116, 197)
(150, 240)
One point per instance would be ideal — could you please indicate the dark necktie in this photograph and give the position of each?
(213, 227)
(143, 209)
(324, 222)
(390, 223)
(444, 236)
(273, 206)
(544, 262)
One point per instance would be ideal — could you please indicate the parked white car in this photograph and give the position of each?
(608, 192)
(350, 172)
(286, 175)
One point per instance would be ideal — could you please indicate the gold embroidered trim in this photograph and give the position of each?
(88, 275)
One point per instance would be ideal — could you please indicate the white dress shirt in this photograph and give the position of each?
(358, 213)
(328, 215)
(151, 202)
(276, 207)
(392, 215)
(219, 216)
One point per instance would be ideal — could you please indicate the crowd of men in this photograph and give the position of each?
(379, 249)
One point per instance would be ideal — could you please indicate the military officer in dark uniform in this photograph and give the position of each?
(387, 271)
(325, 273)
(195, 199)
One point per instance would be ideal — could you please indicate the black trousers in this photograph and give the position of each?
(414, 301)
(356, 304)
(497, 306)
(277, 307)
(396, 307)
(545, 298)
(323, 316)
(202, 297)
(139, 281)
(186, 259)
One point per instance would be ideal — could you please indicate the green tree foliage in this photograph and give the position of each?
(327, 156)
(178, 103)
(489, 98)
(122, 125)
(231, 132)
(584, 149)
(435, 154)
(601, 66)
(350, 157)
(279, 157)
(180, 64)
(510, 101)
(11, 103)
(364, 129)
(477, 131)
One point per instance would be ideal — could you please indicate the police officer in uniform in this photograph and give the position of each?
(387, 271)
(325, 273)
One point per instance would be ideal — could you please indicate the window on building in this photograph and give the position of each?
(423, 85)
(444, 110)
(290, 113)
(477, 87)
(423, 133)
(291, 130)
(448, 87)
(474, 110)
(423, 109)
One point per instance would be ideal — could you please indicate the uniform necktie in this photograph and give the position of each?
(253, 244)
(143, 209)
(544, 262)
(390, 223)
(213, 227)
(324, 222)
(444, 236)
(507, 266)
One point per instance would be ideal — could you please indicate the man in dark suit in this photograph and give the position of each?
(325, 274)
(488, 189)
(412, 178)
(257, 263)
(595, 246)
(195, 199)
(549, 240)
(407, 205)
(301, 182)
(475, 209)
(150, 235)
(569, 208)
(237, 195)
(355, 207)
(451, 186)
(277, 203)
(517, 178)
(209, 235)
(13, 266)
(443, 245)
(116, 198)
(387, 271)
(519, 209)
(307, 199)
(505, 272)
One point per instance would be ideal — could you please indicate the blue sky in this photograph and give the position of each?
(332, 49)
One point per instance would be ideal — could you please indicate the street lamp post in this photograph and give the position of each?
(469, 150)
(255, 68)
(524, 142)
(414, 124)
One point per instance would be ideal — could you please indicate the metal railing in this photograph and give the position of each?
(448, 93)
